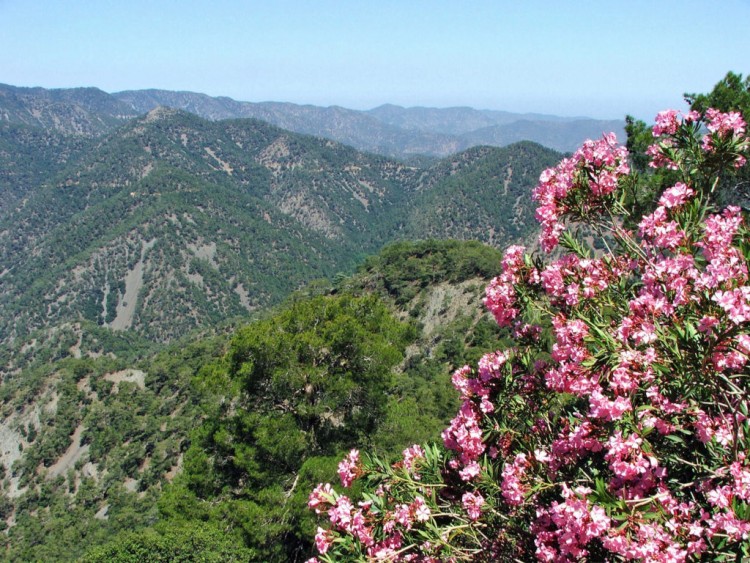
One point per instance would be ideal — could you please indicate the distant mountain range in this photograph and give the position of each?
(388, 130)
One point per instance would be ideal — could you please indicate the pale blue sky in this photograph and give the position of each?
(596, 58)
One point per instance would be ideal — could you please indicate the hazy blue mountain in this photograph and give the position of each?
(389, 130)
(561, 135)
(453, 120)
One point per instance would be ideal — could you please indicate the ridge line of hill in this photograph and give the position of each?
(388, 129)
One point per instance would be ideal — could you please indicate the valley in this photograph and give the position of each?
(145, 248)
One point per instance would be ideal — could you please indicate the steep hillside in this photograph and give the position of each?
(481, 194)
(29, 157)
(101, 435)
(173, 222)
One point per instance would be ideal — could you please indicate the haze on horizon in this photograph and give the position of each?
(589, 58)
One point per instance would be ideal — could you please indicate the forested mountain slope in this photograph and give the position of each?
(97, 426)
(172, 222)
(486, 196)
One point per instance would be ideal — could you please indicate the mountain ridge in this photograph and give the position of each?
(172, 221)
(388, 129)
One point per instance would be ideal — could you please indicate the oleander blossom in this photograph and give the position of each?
(500, 295)
(323, 540)
(513, 487)
(564, 530)
(722, 128)
(473, 503)
(611, 423)
(725, 124)
(349, 468)
(322, 497)
(676, 196)
(666, 123)
(464, 435)
(412, 455)
(578, 185)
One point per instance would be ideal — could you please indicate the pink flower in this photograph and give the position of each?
(464, 435)
(470, 471)
(420, 510)
(600, 162)
(490, 365)
(323, 540)
(720, 497)
(473, 503)
(403, 515)
(563, 530)
(359, 529)
(707, 324)
(729, 524)
(574, 444)
(411, 455)
(349, 468)
(341, 514)
(676, 196)
(512, 484)
(736, 303)
(666, 123)
(725, 124)
(513, 262)
(387, 549)
(500, 299)
(659, 157)
(321, 496)
(603, 408)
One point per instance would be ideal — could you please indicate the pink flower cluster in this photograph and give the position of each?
(637, 388)
(570, 279)
(360, 522)
(500, 295)
(464, 435)
(412, 456)
(563, 530)
(473, 503)
(513, 487)
(578, 185)
(725, 124)
(724, 129)
(349, 468)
